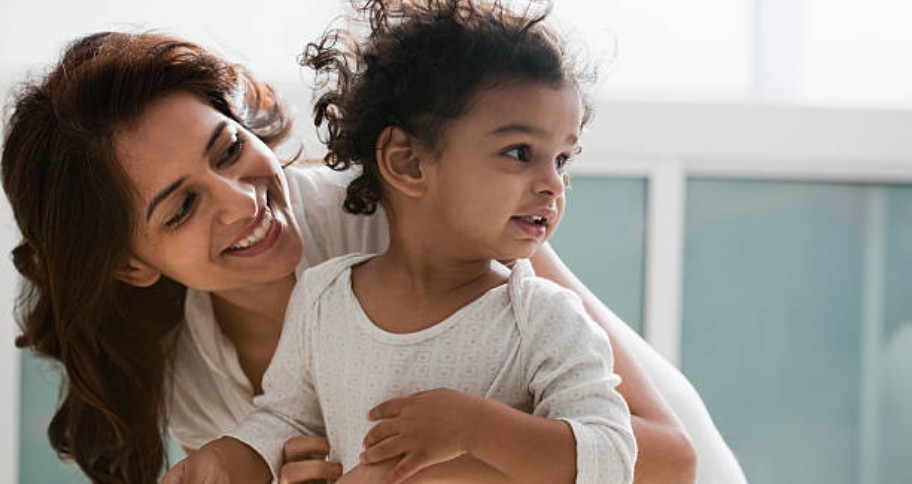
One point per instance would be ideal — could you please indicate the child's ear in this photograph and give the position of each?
(137, 273)
(399, 161)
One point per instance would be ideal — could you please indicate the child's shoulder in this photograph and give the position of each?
(524, 281)
(534, 297)
(316, 279)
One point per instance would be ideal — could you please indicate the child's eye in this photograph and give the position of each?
(232, 153)
(183, 212)
(520, 153)
(561, 161)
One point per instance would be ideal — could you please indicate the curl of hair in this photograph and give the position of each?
(72, 202)
(419, 68)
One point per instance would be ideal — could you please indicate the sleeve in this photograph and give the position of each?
(188, 419)
(569, 367)
(288, 406)
(195, 412)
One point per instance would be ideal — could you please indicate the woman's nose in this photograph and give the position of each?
(237, 201)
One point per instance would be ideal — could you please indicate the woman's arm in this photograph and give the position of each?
(666, 454)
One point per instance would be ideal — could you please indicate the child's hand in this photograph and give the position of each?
(426, 428)
(305, 461)
(222, 461)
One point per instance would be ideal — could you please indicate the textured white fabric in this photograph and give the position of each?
(528, 343)
(210, 392)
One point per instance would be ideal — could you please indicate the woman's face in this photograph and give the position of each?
(212, 208)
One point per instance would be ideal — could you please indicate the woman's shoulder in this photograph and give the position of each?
(317, 194)
(311, 178)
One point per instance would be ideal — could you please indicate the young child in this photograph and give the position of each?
(461, 117)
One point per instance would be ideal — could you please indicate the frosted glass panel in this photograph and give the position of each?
(794, 323)
(602, 238)
(895, 369)
(38, 463)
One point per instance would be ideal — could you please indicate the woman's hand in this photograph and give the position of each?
(423, 429)
(305, 461)
(222, 461)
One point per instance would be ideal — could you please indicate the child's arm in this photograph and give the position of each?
(288, 406)
(580, 430)
(462, 470)
(666, 454)
(433, 430)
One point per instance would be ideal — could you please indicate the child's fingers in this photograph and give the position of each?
(386, 449)
(381, 431)
(387, 409)
(309, 470)
(305, 447)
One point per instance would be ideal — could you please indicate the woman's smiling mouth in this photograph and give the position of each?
(258, 237)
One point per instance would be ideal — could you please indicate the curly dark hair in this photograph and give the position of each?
(419, 67)
(71, 199)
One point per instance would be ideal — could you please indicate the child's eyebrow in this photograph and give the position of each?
(527, 129)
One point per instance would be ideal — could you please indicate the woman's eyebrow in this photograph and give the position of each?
(215, 134)
(162, 195)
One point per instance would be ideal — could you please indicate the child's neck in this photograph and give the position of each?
(406, 289)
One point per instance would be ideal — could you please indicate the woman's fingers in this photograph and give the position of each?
(305, 447)
(386, 449)
(407, 467)
(301, 471)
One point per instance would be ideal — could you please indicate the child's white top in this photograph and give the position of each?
(210, 393)
(528, 343)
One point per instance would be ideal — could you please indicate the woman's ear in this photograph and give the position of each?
(137, 273)
(400, 161)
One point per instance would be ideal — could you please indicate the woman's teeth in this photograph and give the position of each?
(257, 235)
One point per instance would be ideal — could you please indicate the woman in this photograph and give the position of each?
(140, 174)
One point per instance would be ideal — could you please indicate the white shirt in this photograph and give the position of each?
(211, 394)
(529, 344)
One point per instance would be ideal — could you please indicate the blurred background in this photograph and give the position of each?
(743, 200)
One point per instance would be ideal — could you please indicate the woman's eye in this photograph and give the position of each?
(520, 153)
(183, 212)
(232, 153)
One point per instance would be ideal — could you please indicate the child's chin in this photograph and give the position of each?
(521, 253)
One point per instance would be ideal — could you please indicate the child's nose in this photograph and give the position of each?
(550, 182)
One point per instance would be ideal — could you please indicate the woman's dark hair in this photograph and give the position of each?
(73, 203)
(419, 67)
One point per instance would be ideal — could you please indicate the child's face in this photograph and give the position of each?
(497, 186)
